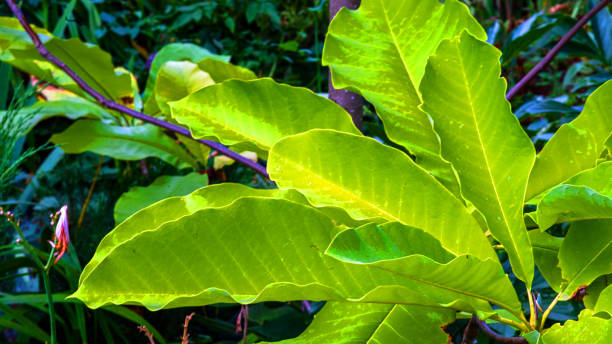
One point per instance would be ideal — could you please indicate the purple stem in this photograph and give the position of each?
(108, 103)
(555, 50)
(496, 337)
(351, 102)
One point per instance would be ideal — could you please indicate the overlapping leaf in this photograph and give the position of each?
(587, 195)
(91, 63)
(173, 208)
(585, 254)
(465, 96)
(178, 79)
(257, 113)
(140, 197)
(546, 256)
(411, 253)
(250, 257)
(576, 146)
(604, 301)
(381, 50)
(371, 180)
(221, 71)
(124, 143)
(349, 323)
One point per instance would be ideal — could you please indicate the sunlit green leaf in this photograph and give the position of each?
(465, 96)
(546, 255)
(349, 323)
(585, 254)
(176, 80)
(371, 180)
(262, 257)
(260, 112)
(124, 143)
(604, 301)
(589, 329)
(221, 71)
(576, 146)
(381, 50)
(90, 62)
(140, 197)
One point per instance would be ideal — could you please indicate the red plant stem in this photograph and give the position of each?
(350, 101)
(470, 333)
(555, 50)
(496, 337)
(109, 104)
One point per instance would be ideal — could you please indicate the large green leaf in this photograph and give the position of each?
(585, 254)
(576, 146)
(587, 195)
(124, 143)
(259, 111)
(178, 79)
(349, 323)
(465, 96)
(414, 254)
(589, 329)
(163, 187)
(381, 50)
(177, 52)
(255, 250)
(221, 71)
(546, 255)
(173, 208)
(91, 63)
(371, 180)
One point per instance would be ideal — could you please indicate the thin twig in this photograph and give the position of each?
(185, 337)
(548, 310)
(555, 50)
(108, 103)
(89, 193)
(495, 336)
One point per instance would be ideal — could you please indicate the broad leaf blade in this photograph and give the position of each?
(604, 301)
(213, 196)
(388, 43)
(221, 71)
(124, 143)
(91, 63)
(589, 329)
(395, 248)
(576, 146)
(584, 196)
(465, 96)
(176, 80)
(371, 180)
(585, 254)
(349, 323)
(260, 112)
(163, 187)
(263, 258)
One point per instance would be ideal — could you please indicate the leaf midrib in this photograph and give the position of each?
(486, 159)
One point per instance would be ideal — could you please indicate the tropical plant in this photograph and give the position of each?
(399, 242)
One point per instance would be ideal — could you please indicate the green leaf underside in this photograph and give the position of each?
(546, 255)
(124, 143)
(423, 259)
(585, 254)
(90, 62)
(589, 329)
(163, 187)
(171, 209)
(349, 323)
(576, 146)
(380, 51)
(251, 257)
(465, 96)
(582, 197)
(371, 180)
(221, 71)
(259, 111)
(594, 289)
(177, 52)
(178, 79)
